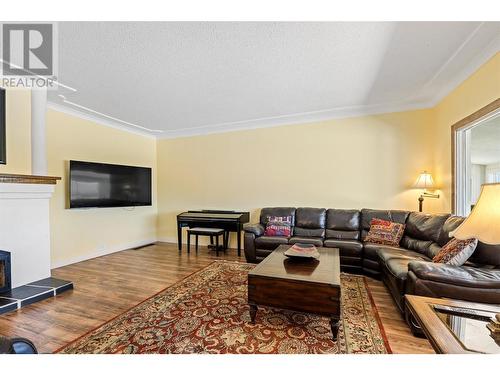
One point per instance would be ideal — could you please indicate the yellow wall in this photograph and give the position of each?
(81, 234)
(369, 161)
(18, 132)
(480, 89)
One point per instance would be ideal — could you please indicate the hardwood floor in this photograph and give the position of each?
(110, 285)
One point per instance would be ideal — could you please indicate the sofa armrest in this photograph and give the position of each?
(456, 275)
(257, 229)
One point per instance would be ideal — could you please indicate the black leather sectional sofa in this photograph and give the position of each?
(407, 269)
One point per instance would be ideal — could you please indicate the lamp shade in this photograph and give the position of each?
(484, 221)
(424, 181)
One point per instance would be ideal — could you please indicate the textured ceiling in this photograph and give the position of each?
(485, 142)
(201, 77)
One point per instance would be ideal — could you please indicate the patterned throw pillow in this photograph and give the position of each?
(456, 252)
(278, 226)
(385, 232)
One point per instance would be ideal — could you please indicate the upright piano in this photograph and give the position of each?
(231, 221)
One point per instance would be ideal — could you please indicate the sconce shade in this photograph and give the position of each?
(424, 181)
(484, 221)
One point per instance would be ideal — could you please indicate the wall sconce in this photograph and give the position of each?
(424, 182)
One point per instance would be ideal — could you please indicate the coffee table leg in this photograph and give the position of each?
(334, 324)
(253, 313)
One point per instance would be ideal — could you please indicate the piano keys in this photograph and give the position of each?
(231, 221)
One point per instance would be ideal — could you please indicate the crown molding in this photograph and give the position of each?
(479, 60)
(295, 119)
(97, 119)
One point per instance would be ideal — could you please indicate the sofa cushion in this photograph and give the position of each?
(486, 255)
(385, 254)
(266, 212)
(456, 252)
(347, 247)
(416, 245)
(306, 232)
(390, 215)
(464, 276)
(342, 224)
(342, 234)
(270, 243)
(370, 250)
(385, 232)
(310, 222)
(316, 241)
(452, 223)
(433, 250)
(425, 227)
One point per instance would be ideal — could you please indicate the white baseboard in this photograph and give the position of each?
(101, 253)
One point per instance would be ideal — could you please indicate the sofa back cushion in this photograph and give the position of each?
(452, 223)
(310, 222)
(425, 227)
(422, 230)
(367, 215)
(342, 224)
(267, 212)
(486, 255)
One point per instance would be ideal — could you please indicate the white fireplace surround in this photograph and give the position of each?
(25, 229)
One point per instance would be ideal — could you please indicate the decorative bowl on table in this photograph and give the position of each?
(302, 251)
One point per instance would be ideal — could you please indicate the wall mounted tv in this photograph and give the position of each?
(108, 185)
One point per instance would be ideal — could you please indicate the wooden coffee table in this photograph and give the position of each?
(311, 286)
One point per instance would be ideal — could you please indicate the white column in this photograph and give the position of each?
(38, 132)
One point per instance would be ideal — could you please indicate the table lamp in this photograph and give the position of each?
(484, 221)
(484, 224)
(425, 181)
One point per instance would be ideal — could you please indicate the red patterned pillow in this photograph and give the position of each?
(385, 232)
(278, 226)
(456, 252)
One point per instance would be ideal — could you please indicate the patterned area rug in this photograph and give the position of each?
(207, 312)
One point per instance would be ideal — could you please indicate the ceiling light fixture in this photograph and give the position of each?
(107, 116)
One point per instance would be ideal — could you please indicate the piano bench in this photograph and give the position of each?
(209, 232)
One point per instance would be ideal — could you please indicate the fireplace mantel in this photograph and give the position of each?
(25, 225)
(28, 179)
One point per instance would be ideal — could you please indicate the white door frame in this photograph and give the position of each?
(461, 161)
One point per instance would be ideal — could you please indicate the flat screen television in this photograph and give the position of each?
(108, 185)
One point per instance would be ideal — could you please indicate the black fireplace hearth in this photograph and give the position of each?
(13, 299)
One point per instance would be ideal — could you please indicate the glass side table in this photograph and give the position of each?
(454, 326)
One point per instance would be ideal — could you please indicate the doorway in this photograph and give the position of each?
(475, 155)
